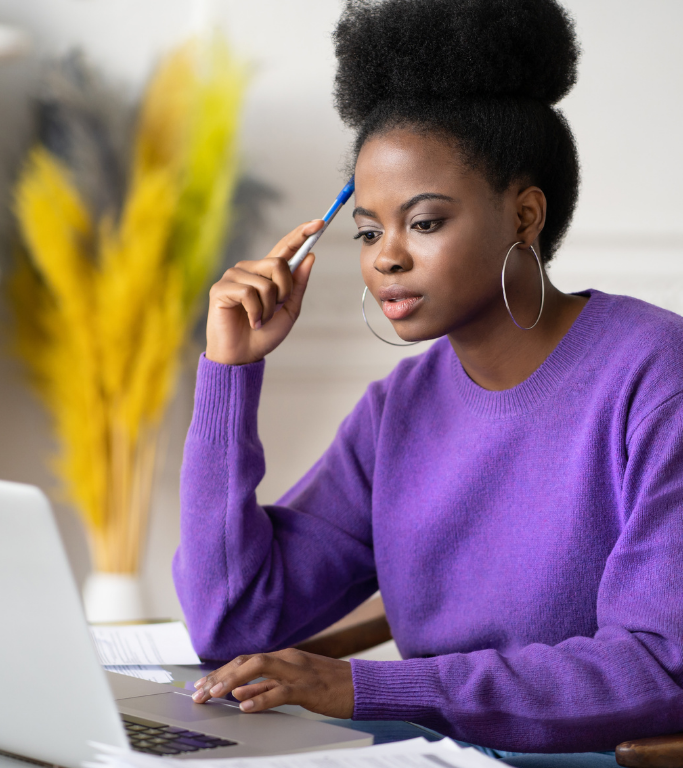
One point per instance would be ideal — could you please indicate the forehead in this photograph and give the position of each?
(395, 166)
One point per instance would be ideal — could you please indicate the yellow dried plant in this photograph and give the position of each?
(102, 307)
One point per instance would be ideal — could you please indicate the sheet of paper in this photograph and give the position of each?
(148, 672)
(166, 643)
(416, 753)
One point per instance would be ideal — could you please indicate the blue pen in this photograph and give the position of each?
(342, 197)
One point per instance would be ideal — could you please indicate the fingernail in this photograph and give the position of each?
(199, 683)
(217, 689)
(198, 695)
(245, 706)
(257, 325)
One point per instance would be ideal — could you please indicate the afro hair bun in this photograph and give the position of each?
(446, 50)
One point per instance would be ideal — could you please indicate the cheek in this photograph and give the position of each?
(446, 257)
(367, 269)
(460, 270)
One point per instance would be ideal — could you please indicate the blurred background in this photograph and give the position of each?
(627, 236)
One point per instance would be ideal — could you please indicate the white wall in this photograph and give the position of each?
(627, 237)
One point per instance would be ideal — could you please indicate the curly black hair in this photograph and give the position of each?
(482, 73)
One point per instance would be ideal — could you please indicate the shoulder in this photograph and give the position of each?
(642, 319)
(642, 332)
(641, 350)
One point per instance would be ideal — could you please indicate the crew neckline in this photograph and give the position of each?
(506, 403)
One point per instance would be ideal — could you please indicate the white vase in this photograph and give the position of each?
(110, 597)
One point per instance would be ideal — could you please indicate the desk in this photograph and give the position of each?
(383, 731)
(8, 762)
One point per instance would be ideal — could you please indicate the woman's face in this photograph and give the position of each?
(434, 235)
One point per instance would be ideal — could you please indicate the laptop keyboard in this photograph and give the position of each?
(159, 739)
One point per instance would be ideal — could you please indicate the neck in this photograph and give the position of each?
(497, 355)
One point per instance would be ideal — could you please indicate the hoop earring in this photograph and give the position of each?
(505, 298)
(374, 333)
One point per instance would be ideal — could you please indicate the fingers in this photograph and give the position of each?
(292, 677)
(263, 695)
(245, 692)
(243, 323)
(258, 295)
(273, 697)
(291, 242)
(237, 673)
(300, 280)
(258, 696)
(261, 287)
(258, 286)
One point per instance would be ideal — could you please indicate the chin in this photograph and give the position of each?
(412, 335)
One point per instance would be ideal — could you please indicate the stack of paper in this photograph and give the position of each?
(416, 753)
(139, 649)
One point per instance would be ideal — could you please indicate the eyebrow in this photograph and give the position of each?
(364, 212)
(408, 204)
(425, 196)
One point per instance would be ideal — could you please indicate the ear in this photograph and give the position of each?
(531, 207)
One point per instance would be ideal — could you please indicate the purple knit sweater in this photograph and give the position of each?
(528, 543)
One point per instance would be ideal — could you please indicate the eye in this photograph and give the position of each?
(429, 225)
(368, 236)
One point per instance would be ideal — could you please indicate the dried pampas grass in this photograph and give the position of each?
(112, 264)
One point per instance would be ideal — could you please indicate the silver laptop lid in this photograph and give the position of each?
(55, 696)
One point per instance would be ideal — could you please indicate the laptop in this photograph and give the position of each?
(56, 697)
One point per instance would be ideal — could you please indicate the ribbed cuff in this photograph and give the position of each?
(222, 394)
(395, 690)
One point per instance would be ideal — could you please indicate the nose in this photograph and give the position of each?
(393, 257)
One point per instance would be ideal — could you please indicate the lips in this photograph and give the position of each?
(398, 302)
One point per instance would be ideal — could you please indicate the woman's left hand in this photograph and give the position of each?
(292, 677)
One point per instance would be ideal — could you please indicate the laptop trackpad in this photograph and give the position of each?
(178, 706)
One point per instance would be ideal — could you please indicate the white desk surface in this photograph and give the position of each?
(8, 762)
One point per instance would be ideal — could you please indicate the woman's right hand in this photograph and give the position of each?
(254, 305)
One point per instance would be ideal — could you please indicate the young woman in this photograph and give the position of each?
(516, 494)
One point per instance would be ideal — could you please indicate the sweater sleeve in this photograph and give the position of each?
(585, 693)
(256, 578)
